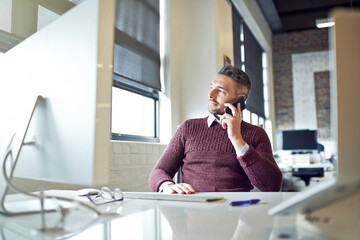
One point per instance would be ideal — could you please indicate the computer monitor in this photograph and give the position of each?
(303, 139)
(345, 118)
(70, 64)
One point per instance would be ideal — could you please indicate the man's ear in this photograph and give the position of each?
(242, 95)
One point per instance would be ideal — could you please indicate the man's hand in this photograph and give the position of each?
(180, 188)
(233, 125)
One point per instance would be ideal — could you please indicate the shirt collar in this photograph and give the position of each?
(211, 119)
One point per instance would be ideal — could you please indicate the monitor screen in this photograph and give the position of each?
(69, 63)
(299, 139)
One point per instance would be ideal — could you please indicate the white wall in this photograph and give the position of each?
(223, 33)
(192, 56)
(200, 33)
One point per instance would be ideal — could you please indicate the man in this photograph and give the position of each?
(220, 152)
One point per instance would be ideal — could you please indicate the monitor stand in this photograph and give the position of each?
(23, 202)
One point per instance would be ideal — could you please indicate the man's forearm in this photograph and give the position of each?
(261, 170)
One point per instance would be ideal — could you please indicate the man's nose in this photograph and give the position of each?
(212, 93)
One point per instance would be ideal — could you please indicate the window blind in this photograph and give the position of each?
(253, 62)
(136, 51)
(237, 21)
(254, 69)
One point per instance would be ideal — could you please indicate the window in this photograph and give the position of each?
(133, 116)
(136, 71)
(266, 122)
(250, 57)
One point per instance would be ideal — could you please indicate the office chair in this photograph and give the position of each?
(178, 175)
(320, 148)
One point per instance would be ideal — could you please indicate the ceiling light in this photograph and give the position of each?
(324, 23)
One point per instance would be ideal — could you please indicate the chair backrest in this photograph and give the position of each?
(178, 175)
(320, 148)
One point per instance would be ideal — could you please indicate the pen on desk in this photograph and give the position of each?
(245, 202)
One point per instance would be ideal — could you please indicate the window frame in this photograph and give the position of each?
(154, 95)
(145, 47)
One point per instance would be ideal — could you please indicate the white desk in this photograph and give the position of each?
(150, 219)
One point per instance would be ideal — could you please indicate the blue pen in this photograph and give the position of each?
(245, 202)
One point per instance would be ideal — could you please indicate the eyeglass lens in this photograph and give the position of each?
(108, 194)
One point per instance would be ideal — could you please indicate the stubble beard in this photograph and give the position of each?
(215, 110)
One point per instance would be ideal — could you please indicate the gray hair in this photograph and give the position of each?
(240, 77)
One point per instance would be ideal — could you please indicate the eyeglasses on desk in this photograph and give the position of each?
(105, 196)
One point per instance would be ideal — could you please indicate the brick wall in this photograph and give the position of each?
(322, 96)
(131, 164)
(284, 45)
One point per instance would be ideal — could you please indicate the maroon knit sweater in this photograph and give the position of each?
(209, 161)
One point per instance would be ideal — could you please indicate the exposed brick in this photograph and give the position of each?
(131, 164)
(284, 45)
(322, 95)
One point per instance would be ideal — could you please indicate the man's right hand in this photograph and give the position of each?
(180, 188)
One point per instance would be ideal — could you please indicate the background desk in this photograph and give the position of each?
(150, 219)
(307, 173)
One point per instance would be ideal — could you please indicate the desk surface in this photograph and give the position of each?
(151, 219)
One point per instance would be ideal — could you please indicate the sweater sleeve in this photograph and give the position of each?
(259, 164)
(169, 162)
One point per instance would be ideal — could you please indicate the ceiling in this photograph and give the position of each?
(296, 15)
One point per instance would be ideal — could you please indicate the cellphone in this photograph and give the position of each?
(240, 100)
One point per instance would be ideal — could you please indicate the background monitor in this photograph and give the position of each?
(299, 139)
(70, 63)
